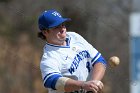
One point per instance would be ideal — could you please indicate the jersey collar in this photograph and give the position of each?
(67, 43)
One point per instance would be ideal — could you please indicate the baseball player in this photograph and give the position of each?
(69, 63)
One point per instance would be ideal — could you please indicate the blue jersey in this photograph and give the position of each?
(75, 60)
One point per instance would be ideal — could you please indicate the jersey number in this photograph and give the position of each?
(88, 66)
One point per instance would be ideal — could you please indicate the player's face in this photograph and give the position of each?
(57, 35)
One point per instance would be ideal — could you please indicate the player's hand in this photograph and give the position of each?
(94, 86)
(99, 84)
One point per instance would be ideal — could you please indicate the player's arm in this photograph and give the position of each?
(56, 81)
(94, 85)
(98, 72)
(99, 68)
(68, 85)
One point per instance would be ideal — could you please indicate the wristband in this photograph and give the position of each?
(60, 84)
(81, 87)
